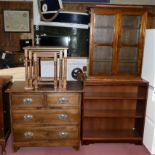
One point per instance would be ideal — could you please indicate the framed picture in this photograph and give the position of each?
(16, 21)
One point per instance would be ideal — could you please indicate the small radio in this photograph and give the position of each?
(24, 43)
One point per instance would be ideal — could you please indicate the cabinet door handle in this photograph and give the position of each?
(28, 117)
(62, 117)
(27, 101)
(63, 100)
(28, 134)
(62, 134)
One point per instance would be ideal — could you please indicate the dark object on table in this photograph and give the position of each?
(9, 59)
(79, 74)
(25, 43)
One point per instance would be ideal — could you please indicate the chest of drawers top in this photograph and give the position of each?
(72, 86)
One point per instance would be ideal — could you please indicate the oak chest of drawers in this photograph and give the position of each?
(46, 117)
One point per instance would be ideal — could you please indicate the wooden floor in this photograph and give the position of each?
(92, 149)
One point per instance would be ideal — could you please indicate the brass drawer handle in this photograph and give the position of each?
(63, 100)
(62, 134)
(62, 117)
(28, 117)
(27, 101)
(28, 134)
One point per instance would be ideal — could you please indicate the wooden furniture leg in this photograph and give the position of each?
(65, 69)
(35, 71)
(30, 70)
(15, 148)
(60, 69)
(55, 70)
(26, 69)
(3, 149)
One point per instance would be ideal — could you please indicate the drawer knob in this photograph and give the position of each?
(28, 117)
(62, 135)
(28, 134)
(27, 101)
(62, 117)
(63, 100)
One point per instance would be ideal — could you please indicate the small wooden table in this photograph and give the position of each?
(33, 56)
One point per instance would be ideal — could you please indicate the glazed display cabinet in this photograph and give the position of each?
(116, 40)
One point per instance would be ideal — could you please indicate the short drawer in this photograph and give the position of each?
(59, 116)
(27, 101)
(65, 99)
(32, 133)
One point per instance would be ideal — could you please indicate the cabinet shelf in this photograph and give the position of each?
(104, 27)
(121, 60)
(131, 27)
(103, 44)
(110, 135)
(128, 45)
(105, 60)
(113, 113)
(116, 96)
(127, 61)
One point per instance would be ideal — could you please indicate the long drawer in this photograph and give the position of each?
(58, 116)
(31, 133)
(63, 99)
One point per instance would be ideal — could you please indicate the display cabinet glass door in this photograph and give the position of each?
(103, 44)
(129, 44)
